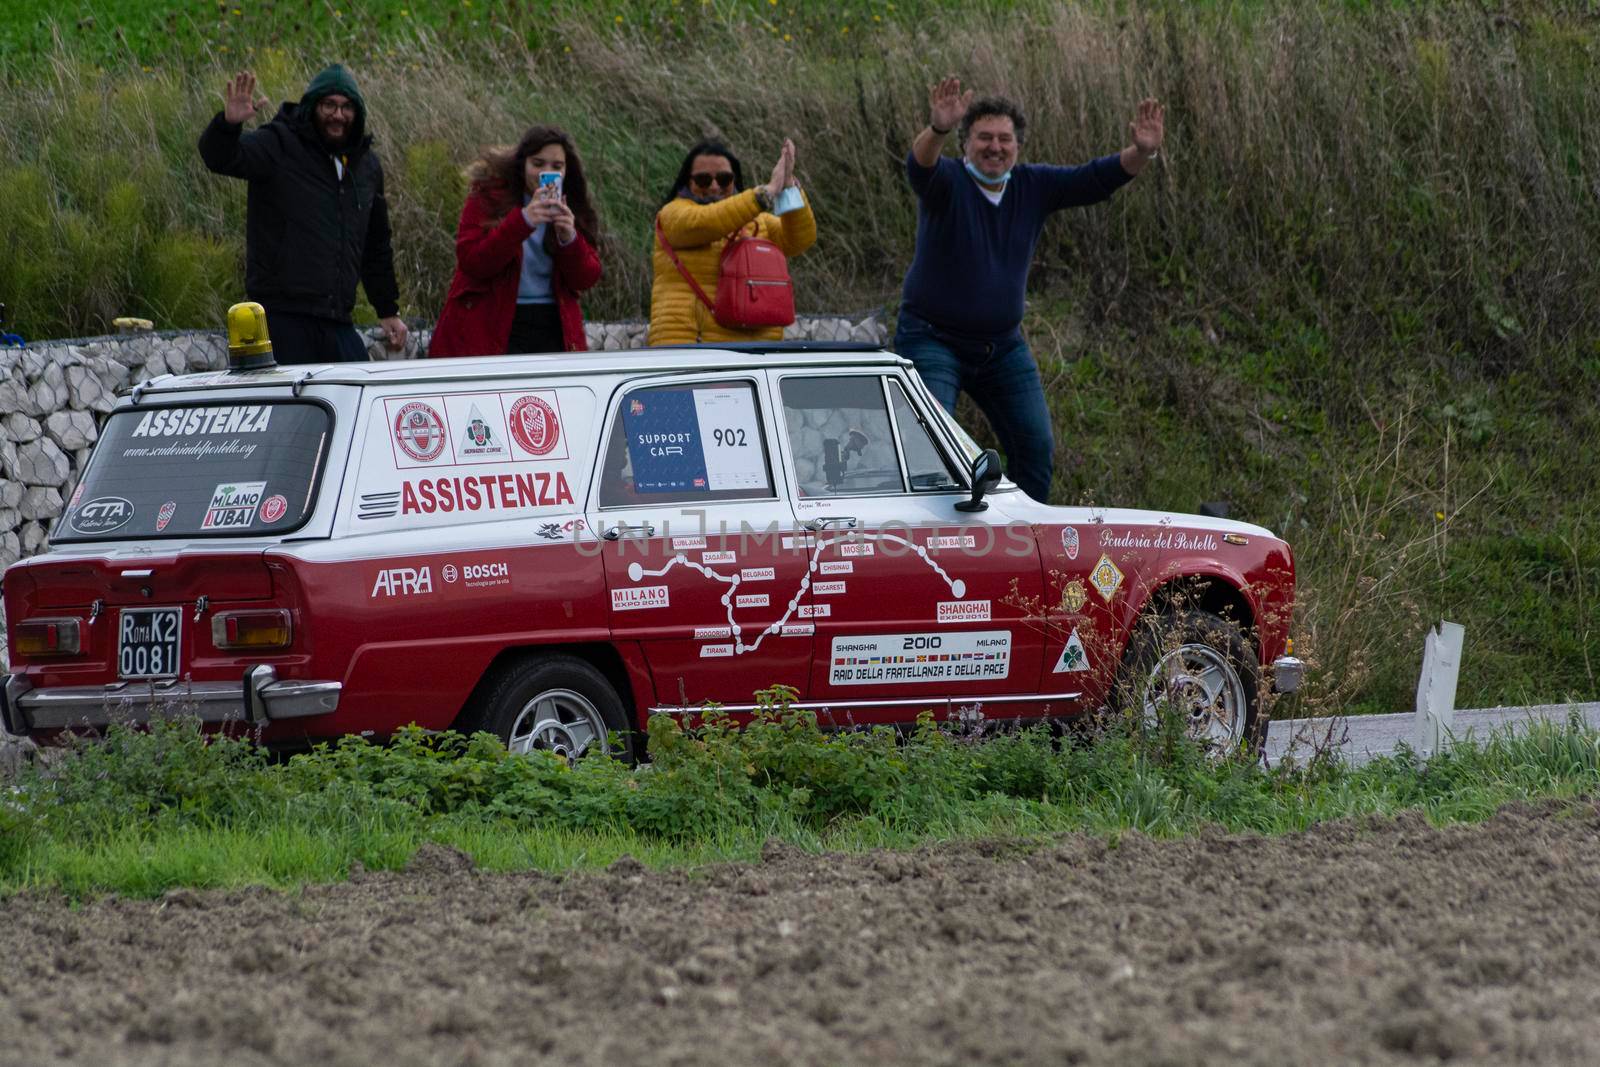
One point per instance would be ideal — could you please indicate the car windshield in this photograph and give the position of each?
(200, 470)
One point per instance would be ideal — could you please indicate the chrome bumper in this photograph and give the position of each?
(260, 697)
(1287, 673)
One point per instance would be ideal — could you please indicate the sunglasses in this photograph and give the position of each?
(703, 181)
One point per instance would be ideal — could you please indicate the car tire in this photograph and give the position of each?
(559, 703)
(1205, 668)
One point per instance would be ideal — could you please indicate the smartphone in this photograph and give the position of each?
(550, 185)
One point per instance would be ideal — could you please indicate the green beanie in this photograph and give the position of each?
(335, 79)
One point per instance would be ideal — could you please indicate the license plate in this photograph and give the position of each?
(148, 641)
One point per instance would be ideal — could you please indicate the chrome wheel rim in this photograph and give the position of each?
(1198, 683)
(559, 721)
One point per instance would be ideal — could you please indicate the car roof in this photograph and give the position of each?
(685, 359)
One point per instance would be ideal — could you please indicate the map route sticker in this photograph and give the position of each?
(637, 572)
(1073, 658)
(1106, 577)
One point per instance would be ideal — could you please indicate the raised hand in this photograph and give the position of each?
(783, 173)
(561, 218)
(239, 100)
(1148, 127)
(947, 104)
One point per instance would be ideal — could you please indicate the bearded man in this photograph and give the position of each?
(316, 221)
(978, 219)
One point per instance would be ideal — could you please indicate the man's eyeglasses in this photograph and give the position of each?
(703, 181)
(330, 107)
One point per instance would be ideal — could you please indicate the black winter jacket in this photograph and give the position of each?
(309, 237)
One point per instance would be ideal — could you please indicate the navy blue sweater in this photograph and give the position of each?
(972, 259)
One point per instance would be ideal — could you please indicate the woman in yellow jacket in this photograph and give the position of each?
(708, 204)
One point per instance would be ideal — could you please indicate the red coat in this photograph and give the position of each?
(476, 320)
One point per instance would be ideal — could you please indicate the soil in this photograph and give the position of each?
(1376, 941)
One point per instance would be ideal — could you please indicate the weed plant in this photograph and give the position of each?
(149, 809)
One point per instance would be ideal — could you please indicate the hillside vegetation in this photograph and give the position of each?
(1357, 300)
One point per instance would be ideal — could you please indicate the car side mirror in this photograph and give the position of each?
(985, 476)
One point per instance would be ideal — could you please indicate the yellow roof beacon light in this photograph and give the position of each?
(249, 347)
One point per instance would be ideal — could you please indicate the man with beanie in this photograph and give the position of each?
(978, 219)
(316, 220)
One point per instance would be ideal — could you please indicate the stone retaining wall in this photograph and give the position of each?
(53, 394)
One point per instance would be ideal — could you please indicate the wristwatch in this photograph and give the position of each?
(763, 198)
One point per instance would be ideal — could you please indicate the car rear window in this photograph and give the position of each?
(200, 470)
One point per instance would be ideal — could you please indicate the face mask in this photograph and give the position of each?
(984, 178)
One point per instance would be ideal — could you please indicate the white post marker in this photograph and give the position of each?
(1436, 689)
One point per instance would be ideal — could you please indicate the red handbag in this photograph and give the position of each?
(753, 287)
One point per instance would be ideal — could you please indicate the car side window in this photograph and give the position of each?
(926, 467)
(690, 443)
(841, 437)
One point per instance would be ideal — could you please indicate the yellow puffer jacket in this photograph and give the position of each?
(698, 232)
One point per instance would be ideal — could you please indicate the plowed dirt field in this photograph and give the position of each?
(1379, 941)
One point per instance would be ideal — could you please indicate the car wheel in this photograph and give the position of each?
(561, 704)
(1202, 668)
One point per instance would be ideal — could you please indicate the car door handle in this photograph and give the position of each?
(830, 522)
(621, 529)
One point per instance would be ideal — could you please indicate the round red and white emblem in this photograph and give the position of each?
(535, 426)
(450, 572)
(274, 508)
(419, 431)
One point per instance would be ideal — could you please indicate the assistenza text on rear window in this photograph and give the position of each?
(200, 470)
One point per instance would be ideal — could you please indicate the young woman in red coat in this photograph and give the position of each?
(523, 254)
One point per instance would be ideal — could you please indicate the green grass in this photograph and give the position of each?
(148, 811)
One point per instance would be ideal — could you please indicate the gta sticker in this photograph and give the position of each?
(274, 508)
(1074, 596)
(164, 516)
(891, 659)
(233, 504)
(419, 431)
(536, 426)
(1106, 577)
(1073, 657)
(1069, 541)
(102, 515)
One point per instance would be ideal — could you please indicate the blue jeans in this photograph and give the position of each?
(1003, 378)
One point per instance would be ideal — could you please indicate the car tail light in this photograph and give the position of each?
(47, 637)
(251, 629)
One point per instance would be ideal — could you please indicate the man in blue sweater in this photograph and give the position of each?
(978, 219)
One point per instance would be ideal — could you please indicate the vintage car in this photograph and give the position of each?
(554, 548)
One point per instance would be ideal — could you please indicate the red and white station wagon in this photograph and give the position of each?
(553, 548)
